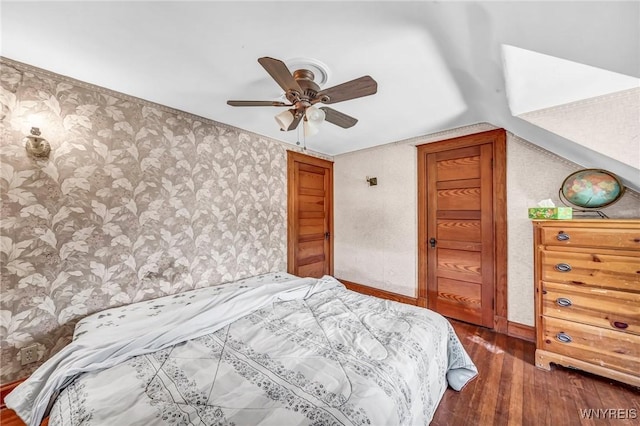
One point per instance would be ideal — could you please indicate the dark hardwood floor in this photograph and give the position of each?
(510, 390)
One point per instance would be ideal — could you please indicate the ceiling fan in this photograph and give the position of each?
(303, 93)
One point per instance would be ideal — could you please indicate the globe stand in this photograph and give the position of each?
(583, 210)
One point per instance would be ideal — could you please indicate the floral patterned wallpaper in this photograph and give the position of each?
(135, 202)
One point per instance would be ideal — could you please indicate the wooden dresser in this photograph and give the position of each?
(587, 277)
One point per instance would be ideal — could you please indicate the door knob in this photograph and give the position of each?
(433, 242)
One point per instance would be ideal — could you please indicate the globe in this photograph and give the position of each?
(591, 188)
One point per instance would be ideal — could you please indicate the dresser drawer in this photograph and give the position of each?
(610, 309)
(601, 270)
(606, 348)
(627, 239)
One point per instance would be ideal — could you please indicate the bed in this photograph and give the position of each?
(269, 350)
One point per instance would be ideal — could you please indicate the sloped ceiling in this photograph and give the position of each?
(596, 108)
(438, 64)
(608, 123)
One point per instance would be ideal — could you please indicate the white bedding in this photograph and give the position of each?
(271, 350)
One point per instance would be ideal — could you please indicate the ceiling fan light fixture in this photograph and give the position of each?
(314, 114)
(313, 118)
(284, 119)
(310, 129)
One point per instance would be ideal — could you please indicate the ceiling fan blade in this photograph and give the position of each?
(363, 86)
(338, 118)
(257, 103)
(295, 122)
(280, 73)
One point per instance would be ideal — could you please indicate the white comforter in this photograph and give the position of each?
(275, 349)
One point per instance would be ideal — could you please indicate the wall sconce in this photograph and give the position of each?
(37, 146)
(373, 181)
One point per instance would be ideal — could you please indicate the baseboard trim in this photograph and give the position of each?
(502, 326)
(383, 294)
(521, 331)
(5, 389)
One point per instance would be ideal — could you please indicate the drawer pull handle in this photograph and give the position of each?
(564, 338)
(562, 236)
(620, 325)
(563, 301)
(563, 267)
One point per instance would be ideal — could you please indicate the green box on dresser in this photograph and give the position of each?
(550, 212)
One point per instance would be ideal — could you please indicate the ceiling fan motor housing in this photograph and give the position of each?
(310, 89)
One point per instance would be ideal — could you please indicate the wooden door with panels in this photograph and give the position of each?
(310, 216)
(462, 228)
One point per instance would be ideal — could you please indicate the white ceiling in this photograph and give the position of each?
(438, 64)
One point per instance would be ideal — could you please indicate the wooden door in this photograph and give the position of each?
(310, 221)
(462, 228)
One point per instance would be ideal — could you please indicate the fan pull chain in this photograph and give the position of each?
(304, 139)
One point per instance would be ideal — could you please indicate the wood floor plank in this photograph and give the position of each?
(492, 374)
(557, 398)
(8, 418)
(516, 390)
(503, 403)
(591, 398)
(529, 414)
(517, 393)
(483, 363)
(542, 396)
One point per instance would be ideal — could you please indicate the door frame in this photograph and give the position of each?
(292, 200)
(498, 140)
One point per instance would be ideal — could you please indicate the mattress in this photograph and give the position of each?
(270, 350)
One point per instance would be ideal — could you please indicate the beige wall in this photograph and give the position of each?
(376, 227)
